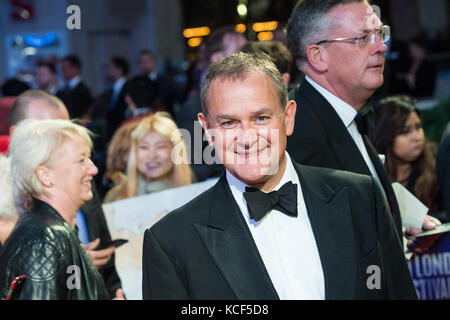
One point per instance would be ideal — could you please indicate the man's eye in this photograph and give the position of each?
(364, 38)
(228, 124)
(261, 119)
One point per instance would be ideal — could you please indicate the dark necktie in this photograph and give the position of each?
(361, 123)
(260, 203)
(364, 120)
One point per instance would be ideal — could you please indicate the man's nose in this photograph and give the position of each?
(247, 136)
(378, 45)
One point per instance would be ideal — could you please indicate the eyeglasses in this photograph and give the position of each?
(369, 37)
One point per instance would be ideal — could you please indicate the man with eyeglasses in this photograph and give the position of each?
(339, 45)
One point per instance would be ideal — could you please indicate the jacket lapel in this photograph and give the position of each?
(231, 245)
(330, 218)
(386, 183)
(344, 148)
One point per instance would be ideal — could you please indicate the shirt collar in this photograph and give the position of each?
(289, 175)
(74, 82)
(119, 83)
(345, 111)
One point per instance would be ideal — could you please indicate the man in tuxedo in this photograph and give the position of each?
(271, 228)
(339, 45)
(75, 94)
(117, 71)
(46, 78)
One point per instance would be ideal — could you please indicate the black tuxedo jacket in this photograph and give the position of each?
(115, 114)
(321, 139)
(204, 250)
(77, 100)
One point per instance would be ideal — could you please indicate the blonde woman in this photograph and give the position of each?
(157, 159)
(118, 151)
(50, 162)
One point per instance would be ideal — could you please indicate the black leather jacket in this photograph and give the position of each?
(47, 250)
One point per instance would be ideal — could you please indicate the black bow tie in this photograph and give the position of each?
(260, 203)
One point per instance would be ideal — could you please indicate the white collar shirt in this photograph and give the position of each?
(286, 244)
(347, 114)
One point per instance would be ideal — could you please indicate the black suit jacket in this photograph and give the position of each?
(443, 174)
(77, 100)
(321, 139)
(97, 228)
(204, 250)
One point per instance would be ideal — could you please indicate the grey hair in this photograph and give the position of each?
(237, 67)
(36, 142)
(308, 23)
(8, 210)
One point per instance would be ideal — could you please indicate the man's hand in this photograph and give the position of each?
(98, 257)
(422, 244)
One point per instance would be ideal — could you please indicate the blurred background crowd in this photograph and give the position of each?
(132, 76)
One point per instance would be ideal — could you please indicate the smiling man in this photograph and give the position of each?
(270, 228)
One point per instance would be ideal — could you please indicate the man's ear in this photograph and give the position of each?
(289, 117)
(44, 176)
(317, 57)
(205, 125)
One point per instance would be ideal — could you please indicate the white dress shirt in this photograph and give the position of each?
(347, 114)
(73, 82)
(286, 244)
(117, 88)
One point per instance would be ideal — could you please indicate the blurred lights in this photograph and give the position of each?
(194, 42)
(265, 35)
(242, 10)
(241, 28)
(265, 26)
(29, 51)
(25, 14)
(196, 32)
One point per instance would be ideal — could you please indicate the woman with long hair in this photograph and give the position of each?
(157, 160)
(398, 134)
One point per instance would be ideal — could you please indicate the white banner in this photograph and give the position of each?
(129, 218)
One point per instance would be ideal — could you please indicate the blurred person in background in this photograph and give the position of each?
(157, 159)
(9, 208)
(117, 71)
(412, 73)
(75, 94)
(398, 134)
(159, 83)
(11, 88)
(278, 52)
(443, 171)
(46, 77)
(220, 43)
(91, 222)
(51, 164)
(118, 152)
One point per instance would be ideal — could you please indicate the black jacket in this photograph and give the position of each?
(204, 250)
(47, 250)
(321, 139)
(77, 100)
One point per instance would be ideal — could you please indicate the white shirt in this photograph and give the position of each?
(117, 88)
(286, 244)
(347, 114)
(74, 82)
